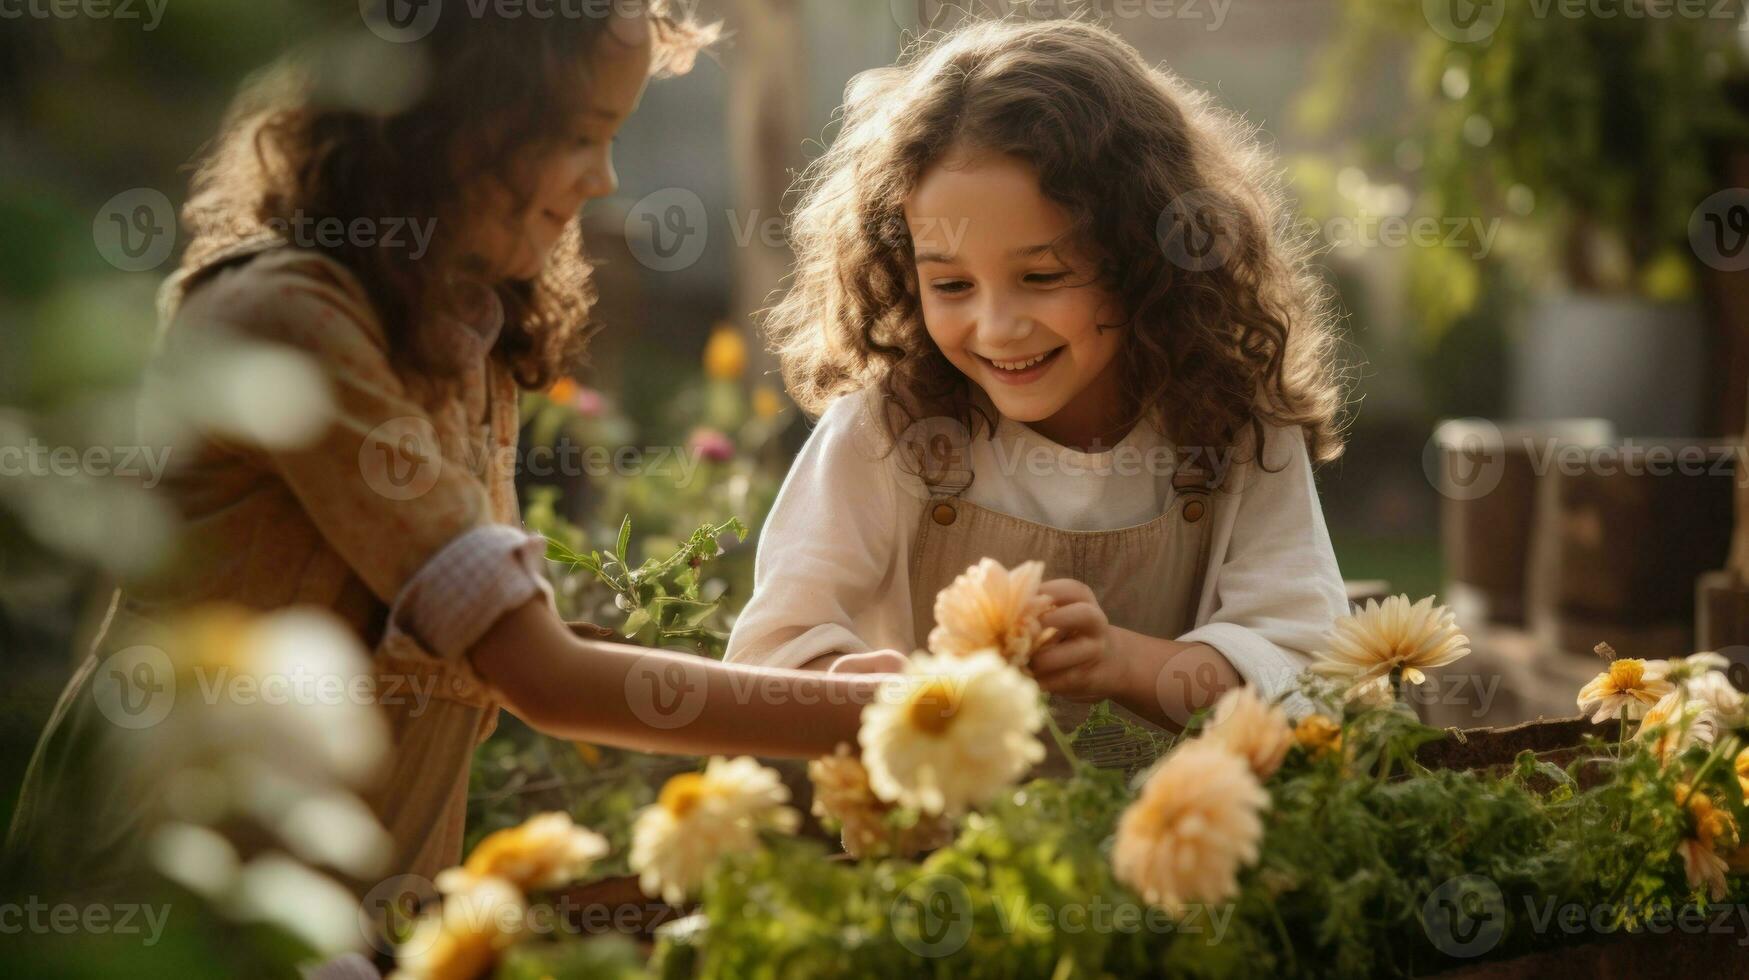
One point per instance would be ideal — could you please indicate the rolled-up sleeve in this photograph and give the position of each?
(1277, 587)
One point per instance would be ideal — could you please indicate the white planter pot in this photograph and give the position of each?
(1639, 364)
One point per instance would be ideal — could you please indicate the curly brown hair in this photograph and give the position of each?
(486, 87)
(1215, 343)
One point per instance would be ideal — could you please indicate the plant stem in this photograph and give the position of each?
(1063, 744)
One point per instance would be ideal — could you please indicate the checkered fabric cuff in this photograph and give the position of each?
(468, 585)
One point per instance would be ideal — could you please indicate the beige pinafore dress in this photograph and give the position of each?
(1148, 577)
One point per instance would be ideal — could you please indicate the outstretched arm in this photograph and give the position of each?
(661, 701)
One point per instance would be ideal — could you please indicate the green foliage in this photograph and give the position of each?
(1589, 133)
(660, 597)
(1365, 854)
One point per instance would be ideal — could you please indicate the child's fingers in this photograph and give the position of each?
(1081, 618)
(1065, 591)
(1063, 656)
(1068, 683)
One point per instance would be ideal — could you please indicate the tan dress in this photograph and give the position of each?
(273, 529)
(1148, 578)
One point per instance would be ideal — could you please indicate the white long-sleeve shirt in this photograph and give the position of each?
(832, 572)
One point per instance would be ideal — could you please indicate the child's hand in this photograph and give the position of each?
(873, 662)
(1080, 664)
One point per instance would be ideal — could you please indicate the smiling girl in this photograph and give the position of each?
(1045, 310)
(400, 518)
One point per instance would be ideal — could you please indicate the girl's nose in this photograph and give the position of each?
(1002, 323)
(597, 180)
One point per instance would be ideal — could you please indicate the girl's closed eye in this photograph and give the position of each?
(950, 287)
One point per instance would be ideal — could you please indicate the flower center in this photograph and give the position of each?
(1626, 674)
(933, 706)
(682, 793)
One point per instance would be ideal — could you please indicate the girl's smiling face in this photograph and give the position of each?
(1009, 305)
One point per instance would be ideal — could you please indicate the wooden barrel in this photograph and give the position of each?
(1485, 473)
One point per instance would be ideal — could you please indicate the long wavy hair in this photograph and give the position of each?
(1215, 343)
(305, 143)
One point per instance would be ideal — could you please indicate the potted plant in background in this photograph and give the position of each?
(1583, 139)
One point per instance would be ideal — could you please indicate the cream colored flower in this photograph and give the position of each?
(1252, 729)
(464, 938)
(546, 851)
(1675, 723)
(952, 732)
(989, 607)
(1720, 697)
(1630, 684)
(1196, 823)
(842, 793)
(701, 817)
(1680, 670)
(1392, 636)
(1713, 830)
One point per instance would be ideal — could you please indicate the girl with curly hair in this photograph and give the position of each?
(1046, 307)
(400, 515)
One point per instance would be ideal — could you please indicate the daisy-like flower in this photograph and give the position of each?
(1252, 729)
(1721, 699)
(952, 732)
(546, 851)
(1713, 830)
(1317, 734)
(989, 607)
(465, 936)
(1391, 637)
(1630, 684)
(842, 793)
(1675, 723)
(700, 817)
(1680, 670)
(1196, 823)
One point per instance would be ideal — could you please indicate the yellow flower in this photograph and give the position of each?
(989, 607)
(1317, 734)
(1392, 636)
(952, 732)
(464, 938)
(563, 391)
(546, 851)
(767, 403)
(1628, 683)
(1713, 830)
(1742, 766)
(1196, 823)
(725, 354)
(700, 817)
(842, 793)
(1252, 729)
